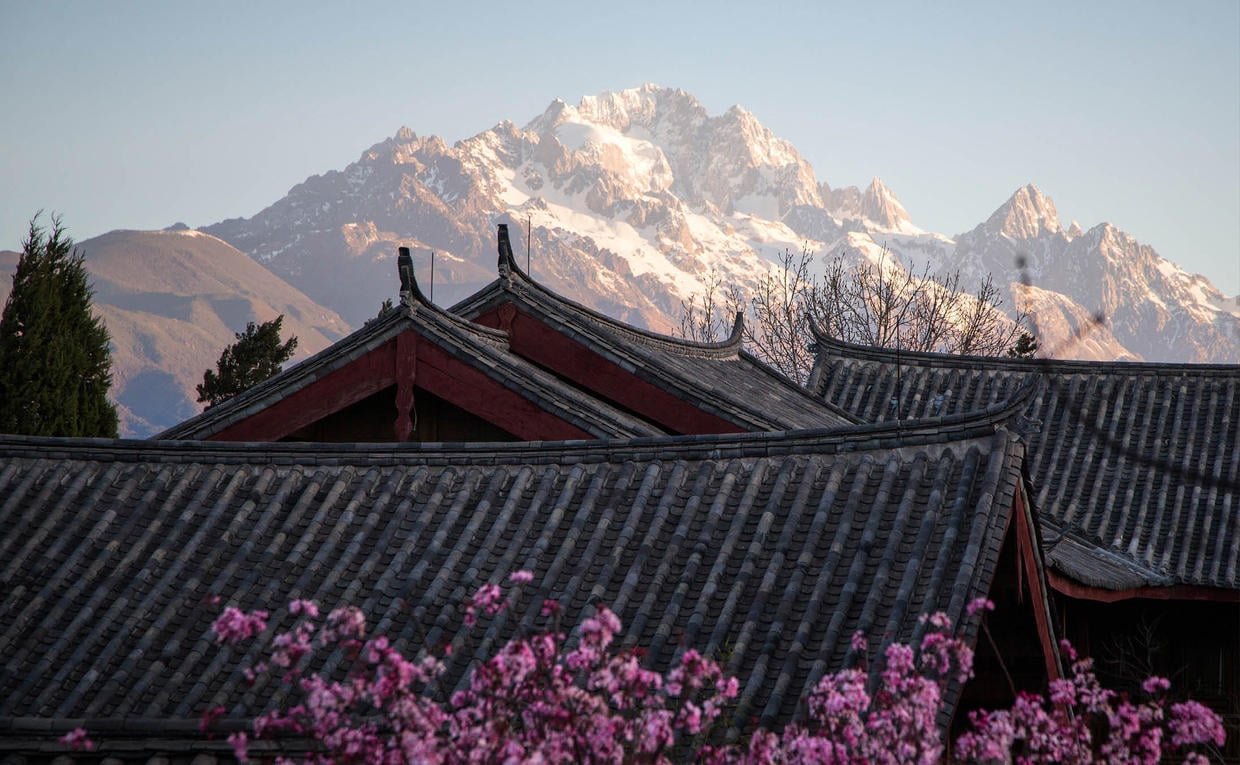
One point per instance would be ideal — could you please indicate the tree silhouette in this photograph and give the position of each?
(256, 356)
(55, 364)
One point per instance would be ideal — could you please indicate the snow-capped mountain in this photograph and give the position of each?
(1152, 308)
(631, 200)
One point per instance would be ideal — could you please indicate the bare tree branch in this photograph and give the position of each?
(866, 303)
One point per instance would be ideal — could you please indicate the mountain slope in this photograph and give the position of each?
(172, 300)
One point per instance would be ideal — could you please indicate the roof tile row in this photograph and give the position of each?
(1135, 467)
(769, 552)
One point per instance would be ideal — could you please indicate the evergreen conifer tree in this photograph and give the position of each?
(256, 356)
(1026, 347)
(55, 364)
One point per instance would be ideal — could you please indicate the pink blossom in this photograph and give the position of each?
(979, 604)
(234, 625)
(1194, 723)
(307, 607)
(537, 701)
(239, 744)
(77, 739)
(486, 600)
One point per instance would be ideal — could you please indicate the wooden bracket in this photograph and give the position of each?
(406, 373)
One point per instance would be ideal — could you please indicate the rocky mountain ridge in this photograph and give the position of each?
(632, 199)
(1155, 309)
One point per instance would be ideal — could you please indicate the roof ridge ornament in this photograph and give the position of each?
(410, 294)
(817, 333)
(507, 263)
(738, 329)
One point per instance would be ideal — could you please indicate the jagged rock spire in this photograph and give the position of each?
(1025, 215)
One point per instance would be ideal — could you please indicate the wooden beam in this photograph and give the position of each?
(407, 361)
(456, 382)
(405, 371)
(1074, 589)
(1030, 560)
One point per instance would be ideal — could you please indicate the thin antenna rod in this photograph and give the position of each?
(529, 233)
(432, 295)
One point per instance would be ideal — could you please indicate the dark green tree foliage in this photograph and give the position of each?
(1026, 347)
(55, 364)
(256, 356)
(385, 308)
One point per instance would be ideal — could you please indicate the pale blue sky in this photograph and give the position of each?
(141, 114)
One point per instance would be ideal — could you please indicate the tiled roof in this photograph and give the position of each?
(482, 348)
(768, 550)
(1135, 466)
(720, 378)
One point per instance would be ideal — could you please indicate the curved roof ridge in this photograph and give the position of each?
(430, 322)
(824, 343)
(514, 279)
(781, 379)
(415, 313)
(496, 338)
(413, 300)
(883, 435)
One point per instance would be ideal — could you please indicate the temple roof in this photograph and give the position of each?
(720, 378)
(1135, 466)
(483, 349)
(768, 551)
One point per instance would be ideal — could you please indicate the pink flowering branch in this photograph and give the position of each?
(537, 700)
(1079, 721)
(533, 701)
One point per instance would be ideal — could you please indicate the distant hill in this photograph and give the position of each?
(172, 300)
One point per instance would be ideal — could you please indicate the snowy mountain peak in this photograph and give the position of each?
(876, 208)
(880, 206)
(1026, 215)
(643, 106)
(652, 140)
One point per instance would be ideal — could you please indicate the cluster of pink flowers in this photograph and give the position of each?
(78, 738)
(1079, 721)
(542, 700)
(537, 700)
(235, 625)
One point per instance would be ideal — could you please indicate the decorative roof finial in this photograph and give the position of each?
(409, 292)
(507, 265)
(738, 328)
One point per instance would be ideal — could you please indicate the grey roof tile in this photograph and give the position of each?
(1135, 466)
(768, 550)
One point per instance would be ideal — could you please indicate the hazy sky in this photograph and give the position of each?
(142, 114)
